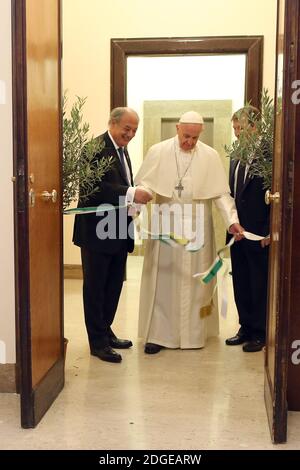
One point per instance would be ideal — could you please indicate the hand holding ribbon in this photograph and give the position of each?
(237, 231)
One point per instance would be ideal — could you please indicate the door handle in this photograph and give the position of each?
(31, 195)
(269, 197)
(46, 196)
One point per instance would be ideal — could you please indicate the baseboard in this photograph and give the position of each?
(72, 271)
(8, 378)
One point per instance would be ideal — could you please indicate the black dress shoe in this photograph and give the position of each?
(239, 338)
(151, 348)
(254, 345)
(107, 354)
(120, 343)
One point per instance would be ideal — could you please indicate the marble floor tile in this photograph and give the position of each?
(210, 398)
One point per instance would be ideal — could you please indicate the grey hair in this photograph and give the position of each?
(117, 113)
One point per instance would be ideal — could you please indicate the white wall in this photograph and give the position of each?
(7, 294)
(193, 78)
(88, 26)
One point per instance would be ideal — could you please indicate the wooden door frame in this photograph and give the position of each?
(293, 379)
(33, 404)
(20, 188)
(276, 399)
(252, 46)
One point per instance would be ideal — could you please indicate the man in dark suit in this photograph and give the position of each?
(105, 238)
(249, 258)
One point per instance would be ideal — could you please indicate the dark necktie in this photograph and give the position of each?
(122, 160)
(240, 181)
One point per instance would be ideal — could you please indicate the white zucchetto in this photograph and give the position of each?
(191, 117)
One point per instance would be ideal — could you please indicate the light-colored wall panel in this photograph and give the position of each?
(7, 293)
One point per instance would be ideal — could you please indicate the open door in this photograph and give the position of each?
(283, 200)
(38, 213)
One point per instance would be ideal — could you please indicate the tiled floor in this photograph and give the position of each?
(179, 399)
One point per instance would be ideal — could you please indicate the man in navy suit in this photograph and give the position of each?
(249, 258)
(106, 238)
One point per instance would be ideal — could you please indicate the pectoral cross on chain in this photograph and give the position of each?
(179, 188)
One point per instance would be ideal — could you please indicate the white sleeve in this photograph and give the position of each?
(129, 198)
(226, 205)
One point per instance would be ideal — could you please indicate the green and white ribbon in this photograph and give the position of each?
(92, 210)
(173, 240)
(208, 275)
(211, 272)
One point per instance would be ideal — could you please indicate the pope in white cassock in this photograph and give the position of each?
(185, 176)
